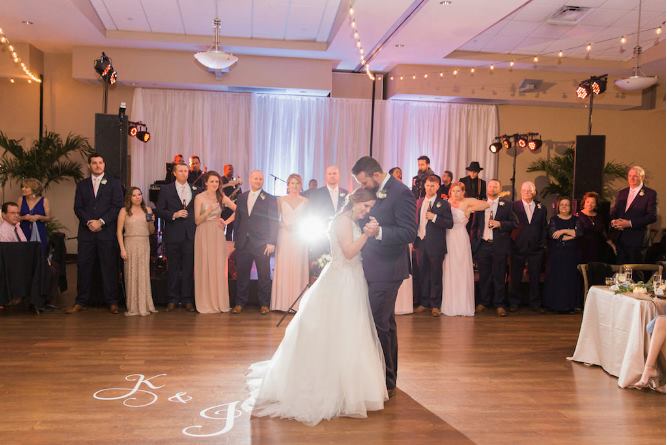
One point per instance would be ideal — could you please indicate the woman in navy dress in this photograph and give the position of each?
(35, 212)
(562, 288)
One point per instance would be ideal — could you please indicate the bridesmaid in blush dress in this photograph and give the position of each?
(211, 285)
(291, 267)
(458, 280)
(133, 227)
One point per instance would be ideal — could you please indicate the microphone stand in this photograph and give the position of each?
(275, 178)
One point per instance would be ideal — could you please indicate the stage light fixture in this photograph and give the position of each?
(132, 130)
(599, 84)
(521, 141)
(105, 69)
(506, 142)
(496, 146)
(143, 136)
(534, 143)
(594, 85)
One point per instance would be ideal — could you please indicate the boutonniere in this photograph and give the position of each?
(103, 181)
(261, 196)
(381, 194)
(194, 188)
(342, 195)
(641, 192)
(438, 205)
(539, 206)
(501, 203)
(444, 196)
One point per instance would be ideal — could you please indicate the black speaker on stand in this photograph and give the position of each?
(111, 142)
(588, 165)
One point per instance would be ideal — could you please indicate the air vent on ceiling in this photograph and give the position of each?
(568, 15)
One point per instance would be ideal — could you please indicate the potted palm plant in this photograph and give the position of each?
(48, 159)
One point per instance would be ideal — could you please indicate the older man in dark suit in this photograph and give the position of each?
(97, 201)
(391, 228)
(491, 244)
(528, 247)
(434, 217)
(176, 208)
(634, 210)
(256, 234)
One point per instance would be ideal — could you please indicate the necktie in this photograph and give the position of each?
(488, 232)
(426, 205)
(96, 185)
(16, 232)
(529, 212)
(631, 197)
(251, 202)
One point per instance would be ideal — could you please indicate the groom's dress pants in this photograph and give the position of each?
(382, 296)
(245, 256)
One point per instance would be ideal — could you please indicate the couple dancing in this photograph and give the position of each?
(339, 354)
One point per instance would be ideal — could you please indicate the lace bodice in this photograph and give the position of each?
(337, 255)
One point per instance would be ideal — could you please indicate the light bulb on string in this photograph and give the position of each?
(442, 74)
(536, 59)
(624, 40)
(351, 12)
(658, 30)
(491, 68)
(472, 70)
(414, 77)
(425, 76)
(455, 72)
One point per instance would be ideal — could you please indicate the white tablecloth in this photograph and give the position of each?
(613, 333)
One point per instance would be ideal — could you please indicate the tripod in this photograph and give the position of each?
(291, 310)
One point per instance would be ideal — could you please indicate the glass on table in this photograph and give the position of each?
(608, 281)
(627, 270)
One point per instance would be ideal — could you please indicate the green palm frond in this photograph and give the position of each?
(47, 159)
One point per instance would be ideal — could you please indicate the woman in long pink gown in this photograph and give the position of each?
(290, 276)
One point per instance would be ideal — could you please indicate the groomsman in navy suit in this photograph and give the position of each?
(634, 210)
(491, 245)
(434, 217)
(255, 239)
(175, 207)
(528, 247)
(386, 261)
(97, 201)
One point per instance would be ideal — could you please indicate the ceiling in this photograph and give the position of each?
(422, 32)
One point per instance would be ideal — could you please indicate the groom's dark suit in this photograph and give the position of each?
(387, 263)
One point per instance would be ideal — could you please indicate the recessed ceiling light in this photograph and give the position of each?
(446, 2)
(27, 22)
(399, 45)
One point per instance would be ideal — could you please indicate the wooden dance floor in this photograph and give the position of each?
(481, 380)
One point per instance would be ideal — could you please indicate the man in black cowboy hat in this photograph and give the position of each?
(475, 186)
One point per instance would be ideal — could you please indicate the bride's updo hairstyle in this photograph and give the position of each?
(358, 195)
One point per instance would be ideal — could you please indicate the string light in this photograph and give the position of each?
(561, 53)
(17, 60)
(425, 76)
(11, 80)
(414, 77)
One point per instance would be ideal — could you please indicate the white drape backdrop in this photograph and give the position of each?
(280, 135)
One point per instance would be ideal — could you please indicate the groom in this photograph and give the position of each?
(391, 227)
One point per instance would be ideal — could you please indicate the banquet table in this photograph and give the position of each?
(613, 332)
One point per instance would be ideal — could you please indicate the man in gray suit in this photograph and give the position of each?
(391, 227)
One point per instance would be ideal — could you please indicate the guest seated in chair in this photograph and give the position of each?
(10, 230)
(650, 375)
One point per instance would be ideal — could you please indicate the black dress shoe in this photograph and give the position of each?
(190, 307)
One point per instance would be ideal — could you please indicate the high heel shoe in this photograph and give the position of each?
(648, 379)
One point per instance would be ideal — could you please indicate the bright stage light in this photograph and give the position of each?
(313, 229)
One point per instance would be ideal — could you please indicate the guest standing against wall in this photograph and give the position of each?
(135, 225)
(594, 244)
(290, 276)
(562, 288)
(176, 208)
(255, 241)
(97, 201)
(35, 212)
(211, 273)
(529, 242)
(634, 210)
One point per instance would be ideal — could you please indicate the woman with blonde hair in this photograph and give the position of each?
(458, 280)
(291, 266)
(35, 212)
(134, 226)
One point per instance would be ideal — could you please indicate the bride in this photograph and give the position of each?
(330, 361)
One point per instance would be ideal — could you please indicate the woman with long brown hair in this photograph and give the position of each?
(134, 226)
(211, 286)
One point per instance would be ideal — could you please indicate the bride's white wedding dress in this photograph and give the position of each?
(458, 279)
(330, 361)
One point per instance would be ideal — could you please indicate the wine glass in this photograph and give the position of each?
(657, 285)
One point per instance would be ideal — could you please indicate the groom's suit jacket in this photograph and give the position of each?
(388, 259)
